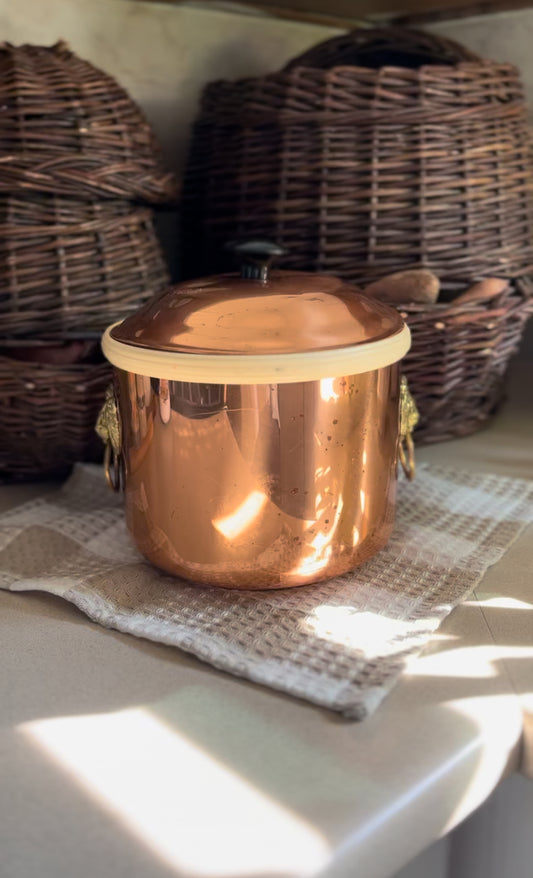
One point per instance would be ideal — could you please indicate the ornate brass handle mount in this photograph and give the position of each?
(108, 428)
(409, 418)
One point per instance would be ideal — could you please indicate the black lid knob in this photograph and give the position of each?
(255, 257)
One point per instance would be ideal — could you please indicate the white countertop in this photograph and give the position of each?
(120, 757)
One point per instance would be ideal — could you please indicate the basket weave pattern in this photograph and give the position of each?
(79, 173)
(361, 172)
(384, 47)
(459, 356)
(74, 267)
(66, 127)
(375, 152)
(48, 416)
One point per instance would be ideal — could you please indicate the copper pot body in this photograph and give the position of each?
(260, 486)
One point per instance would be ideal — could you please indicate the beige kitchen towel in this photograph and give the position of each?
(340, 644)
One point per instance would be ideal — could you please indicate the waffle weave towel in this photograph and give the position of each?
(340, 644)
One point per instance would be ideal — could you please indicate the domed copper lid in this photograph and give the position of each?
(258, 318)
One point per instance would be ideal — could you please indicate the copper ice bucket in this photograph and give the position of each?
(258, 426)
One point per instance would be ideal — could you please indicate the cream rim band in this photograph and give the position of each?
(256, 368)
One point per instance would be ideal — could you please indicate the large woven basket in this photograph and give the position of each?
(66, 127)
(364, 170)
(71, 267)
(459, 356)
(47, 416)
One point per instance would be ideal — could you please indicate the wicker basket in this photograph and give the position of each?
(361, 171)
(68, 128)
(384, 47)
(47, 416)
(459, 356)
(71, 267)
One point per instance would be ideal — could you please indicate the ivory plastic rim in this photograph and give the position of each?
(256, 369)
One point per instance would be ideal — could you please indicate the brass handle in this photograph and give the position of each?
(108, 428)
(113, 467)
(409, 418)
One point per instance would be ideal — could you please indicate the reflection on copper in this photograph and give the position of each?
(326, 389)
(244, 515)
(321, 549)
(317, 560)
(164, 401)
(290, 312)
(260, 486)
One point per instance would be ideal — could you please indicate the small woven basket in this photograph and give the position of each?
(47, 416)
(360, 171)
(71, 267)
(68, 128)
(459, 356)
